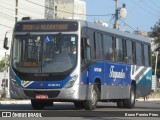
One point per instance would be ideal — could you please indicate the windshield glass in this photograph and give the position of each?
(44, 53)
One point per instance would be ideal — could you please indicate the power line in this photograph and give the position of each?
(6, 16)
(150, 7)
(6, 26)
(65, 11)
(127, 24)
(146, 10)
(154, 3)
(12, 10)
(23, 8)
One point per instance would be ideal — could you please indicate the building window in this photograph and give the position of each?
(55, 15)
(55, 8)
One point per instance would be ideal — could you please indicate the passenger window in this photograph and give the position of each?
(138, 54)
(119, 52)
(98, 45)
(146, 55)
(129, 52)
(107, 45)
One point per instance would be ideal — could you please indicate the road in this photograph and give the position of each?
(103, 110)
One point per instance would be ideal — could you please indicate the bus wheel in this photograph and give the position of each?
(78, 104)
(37, 105)
(130, 103)
(92, 103)
(120, 104)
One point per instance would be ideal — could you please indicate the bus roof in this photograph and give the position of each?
(98, 27)
(115, 32)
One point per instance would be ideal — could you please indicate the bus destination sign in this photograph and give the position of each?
(46, 26)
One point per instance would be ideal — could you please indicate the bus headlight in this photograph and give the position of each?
(71, 82)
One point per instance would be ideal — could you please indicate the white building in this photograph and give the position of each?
(50, 9)
(34, 9)
(69, 9)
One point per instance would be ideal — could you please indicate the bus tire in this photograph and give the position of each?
(37, 105)
(92, 103)
(78, 104)
(120, 104)
(130, 103)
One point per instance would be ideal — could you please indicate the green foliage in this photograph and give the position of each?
(155, 33)
(2, 64)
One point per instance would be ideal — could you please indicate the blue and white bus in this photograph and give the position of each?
(108, 65)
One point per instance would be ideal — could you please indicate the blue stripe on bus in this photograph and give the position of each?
(114, 74)
(49, 84)
(109, 73)
(145, 84)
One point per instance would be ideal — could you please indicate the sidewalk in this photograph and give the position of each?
(150, 99)
(15, 102)
(29, 102)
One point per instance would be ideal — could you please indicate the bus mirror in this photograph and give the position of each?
(5, 44)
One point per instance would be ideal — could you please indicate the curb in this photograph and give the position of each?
(155, 99)
(5, 102)
(15, 102)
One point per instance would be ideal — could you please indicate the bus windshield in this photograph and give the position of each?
(50, 53)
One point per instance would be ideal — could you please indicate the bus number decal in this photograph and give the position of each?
(97, 69)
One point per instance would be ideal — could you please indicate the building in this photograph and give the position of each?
(33, 9)
(65, 9)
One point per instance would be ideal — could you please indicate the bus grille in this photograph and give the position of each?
(32, 94)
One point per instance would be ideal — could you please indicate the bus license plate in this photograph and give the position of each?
(41, 96)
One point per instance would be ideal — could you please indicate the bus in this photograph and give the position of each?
(107, 65)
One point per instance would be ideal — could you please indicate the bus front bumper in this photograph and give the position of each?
(77, 92)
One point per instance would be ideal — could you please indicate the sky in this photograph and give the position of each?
(141, 14)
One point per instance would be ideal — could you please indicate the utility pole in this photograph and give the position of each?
(122, 12)
(16, 11)
(116, 15)
(155, 71)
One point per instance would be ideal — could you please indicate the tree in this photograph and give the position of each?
(155, 33)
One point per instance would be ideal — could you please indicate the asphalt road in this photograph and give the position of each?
(146, 110)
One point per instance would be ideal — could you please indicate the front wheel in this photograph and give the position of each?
(92, 103)
(130, 103)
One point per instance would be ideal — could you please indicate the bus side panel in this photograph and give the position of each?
(144, 82)
(117, 81)
(96, 71)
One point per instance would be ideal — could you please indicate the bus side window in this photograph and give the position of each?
(85, 49)
(82, 49)
(88, 50)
